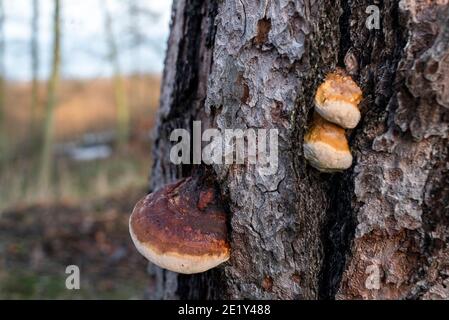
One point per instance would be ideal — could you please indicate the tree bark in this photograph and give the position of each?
(378, 230)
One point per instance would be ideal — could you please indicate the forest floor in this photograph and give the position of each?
(38, 242)
(82, 217)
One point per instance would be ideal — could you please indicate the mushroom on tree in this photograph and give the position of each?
(337, 99)
(181, 227)
(326, 147)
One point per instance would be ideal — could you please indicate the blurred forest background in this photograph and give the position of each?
(79, 89)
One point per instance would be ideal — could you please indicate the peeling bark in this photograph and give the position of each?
(378, 230)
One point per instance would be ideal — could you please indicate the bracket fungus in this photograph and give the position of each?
(326, 147)
(181, 227)
(336, 105)
(337, 100)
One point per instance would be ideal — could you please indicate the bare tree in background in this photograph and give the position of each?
(135, 46)
(379, 230)
(121, 100)
(3, 140)
(138, 40)
(34, 48)
(46, 156)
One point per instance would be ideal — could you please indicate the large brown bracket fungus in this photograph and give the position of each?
(336, 105)
(181, 227)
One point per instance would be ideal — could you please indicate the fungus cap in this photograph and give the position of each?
(326, 147)
(181, 228)
(337, 100)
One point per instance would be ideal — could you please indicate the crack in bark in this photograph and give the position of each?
(337, 230)
(345, 34)
(244, 19)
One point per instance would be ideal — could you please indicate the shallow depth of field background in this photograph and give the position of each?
(72, 167)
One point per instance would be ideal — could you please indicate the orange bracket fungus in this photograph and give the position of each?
(326, 146)
(336, 105)
(337, 100)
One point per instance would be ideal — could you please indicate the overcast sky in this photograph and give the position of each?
(84, 43)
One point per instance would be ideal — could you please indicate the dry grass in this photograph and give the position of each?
(38, 242)
(73, 181)
(83, 106)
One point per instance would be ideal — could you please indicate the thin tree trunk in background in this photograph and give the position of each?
(3, 141)
(46, 157)
(137, 14)
(134, 54)
(34, 45)
(121, 100)
(378, 230)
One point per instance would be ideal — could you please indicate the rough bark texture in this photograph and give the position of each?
(401, 184)
(301, 234)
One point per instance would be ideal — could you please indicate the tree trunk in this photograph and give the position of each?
(378, 230)
(3, 141)
(34, 48)
(121, 100)
(46, 156)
